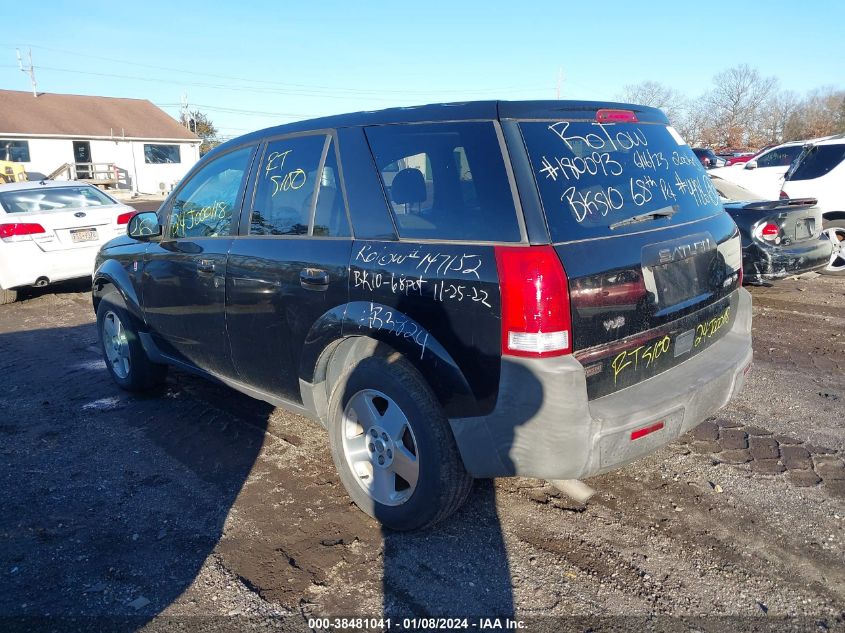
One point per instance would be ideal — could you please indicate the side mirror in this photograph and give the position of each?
(144, 226)
(752, 164)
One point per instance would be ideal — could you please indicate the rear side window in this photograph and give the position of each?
(446, 181)
(593, 175)
(818, 161)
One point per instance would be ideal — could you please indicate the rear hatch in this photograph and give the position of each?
(652, 259)
(62, 218)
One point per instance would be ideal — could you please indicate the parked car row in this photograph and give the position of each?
(708, 157)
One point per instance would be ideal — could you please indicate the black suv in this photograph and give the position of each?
(548, 289)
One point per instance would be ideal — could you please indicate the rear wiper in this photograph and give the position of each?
(665, 212)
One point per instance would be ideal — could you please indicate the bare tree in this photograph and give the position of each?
(656, 95)
(822, 113)
(736, 100)
(774, 116)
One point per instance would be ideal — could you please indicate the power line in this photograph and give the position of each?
(286, 85)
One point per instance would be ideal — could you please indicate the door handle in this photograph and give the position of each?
(205, 266)
(314, 278)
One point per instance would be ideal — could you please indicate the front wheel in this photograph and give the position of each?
(392, 445)
(125, 358)
(834, 230)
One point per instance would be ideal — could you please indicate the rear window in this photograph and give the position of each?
(52, 199)
(446, 181)
(592, 175)
(817, 161)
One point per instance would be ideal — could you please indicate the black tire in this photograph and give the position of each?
(835, 224)
(8, 296)
(142, 373)
(443, 484)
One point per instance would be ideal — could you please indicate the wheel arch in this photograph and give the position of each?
(833, 215)
(345, 335)
(110, 275)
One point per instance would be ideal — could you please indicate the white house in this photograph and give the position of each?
(126, 143)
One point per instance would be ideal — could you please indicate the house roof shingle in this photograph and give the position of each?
(85, 116)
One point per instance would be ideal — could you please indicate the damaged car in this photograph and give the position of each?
(779, 237)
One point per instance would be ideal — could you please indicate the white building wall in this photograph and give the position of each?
(47, 154)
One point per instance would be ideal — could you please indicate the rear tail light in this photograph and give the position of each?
(536, 321)
(783, 195)
(739, 277)
(19, 230)
(769, 231)
(124, 218)
(608, 115)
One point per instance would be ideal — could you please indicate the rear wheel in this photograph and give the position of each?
(8, 296)
(125, 358)
(834, 230)
(392, 445)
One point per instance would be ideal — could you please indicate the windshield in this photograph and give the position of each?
(52, 199)
(593, 175)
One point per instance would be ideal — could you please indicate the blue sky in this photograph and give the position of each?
(251, 65)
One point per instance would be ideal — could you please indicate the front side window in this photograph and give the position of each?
(446, 181)
(159, 154)
(205, 205)
(287, 181)
(781, 157)
(52, 199)
(15, 151)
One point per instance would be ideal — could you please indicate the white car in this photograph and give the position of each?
(763, 175)
(820, 173)
(51, 231)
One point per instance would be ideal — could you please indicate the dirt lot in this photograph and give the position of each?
(198, 507)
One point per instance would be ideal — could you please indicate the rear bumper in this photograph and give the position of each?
(762, 262)
(22, 263)
(544, 426)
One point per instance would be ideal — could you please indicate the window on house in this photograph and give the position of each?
(158, 154)
(17, 151)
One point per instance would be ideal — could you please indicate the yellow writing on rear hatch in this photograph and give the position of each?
(643, 356)
(709, 329)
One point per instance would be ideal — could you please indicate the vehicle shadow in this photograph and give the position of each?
(112, 502)
(71, 286)
(115, 505)
(458, 568)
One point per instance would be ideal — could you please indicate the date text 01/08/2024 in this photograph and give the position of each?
(415, 624)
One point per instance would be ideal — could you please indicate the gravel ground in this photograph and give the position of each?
(196, 507)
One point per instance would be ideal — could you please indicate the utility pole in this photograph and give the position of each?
(184, 111)
(30, 70)
(559, 81)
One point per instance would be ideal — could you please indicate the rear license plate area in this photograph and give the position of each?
(83, 235)
(676, 282)
(804, 228)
